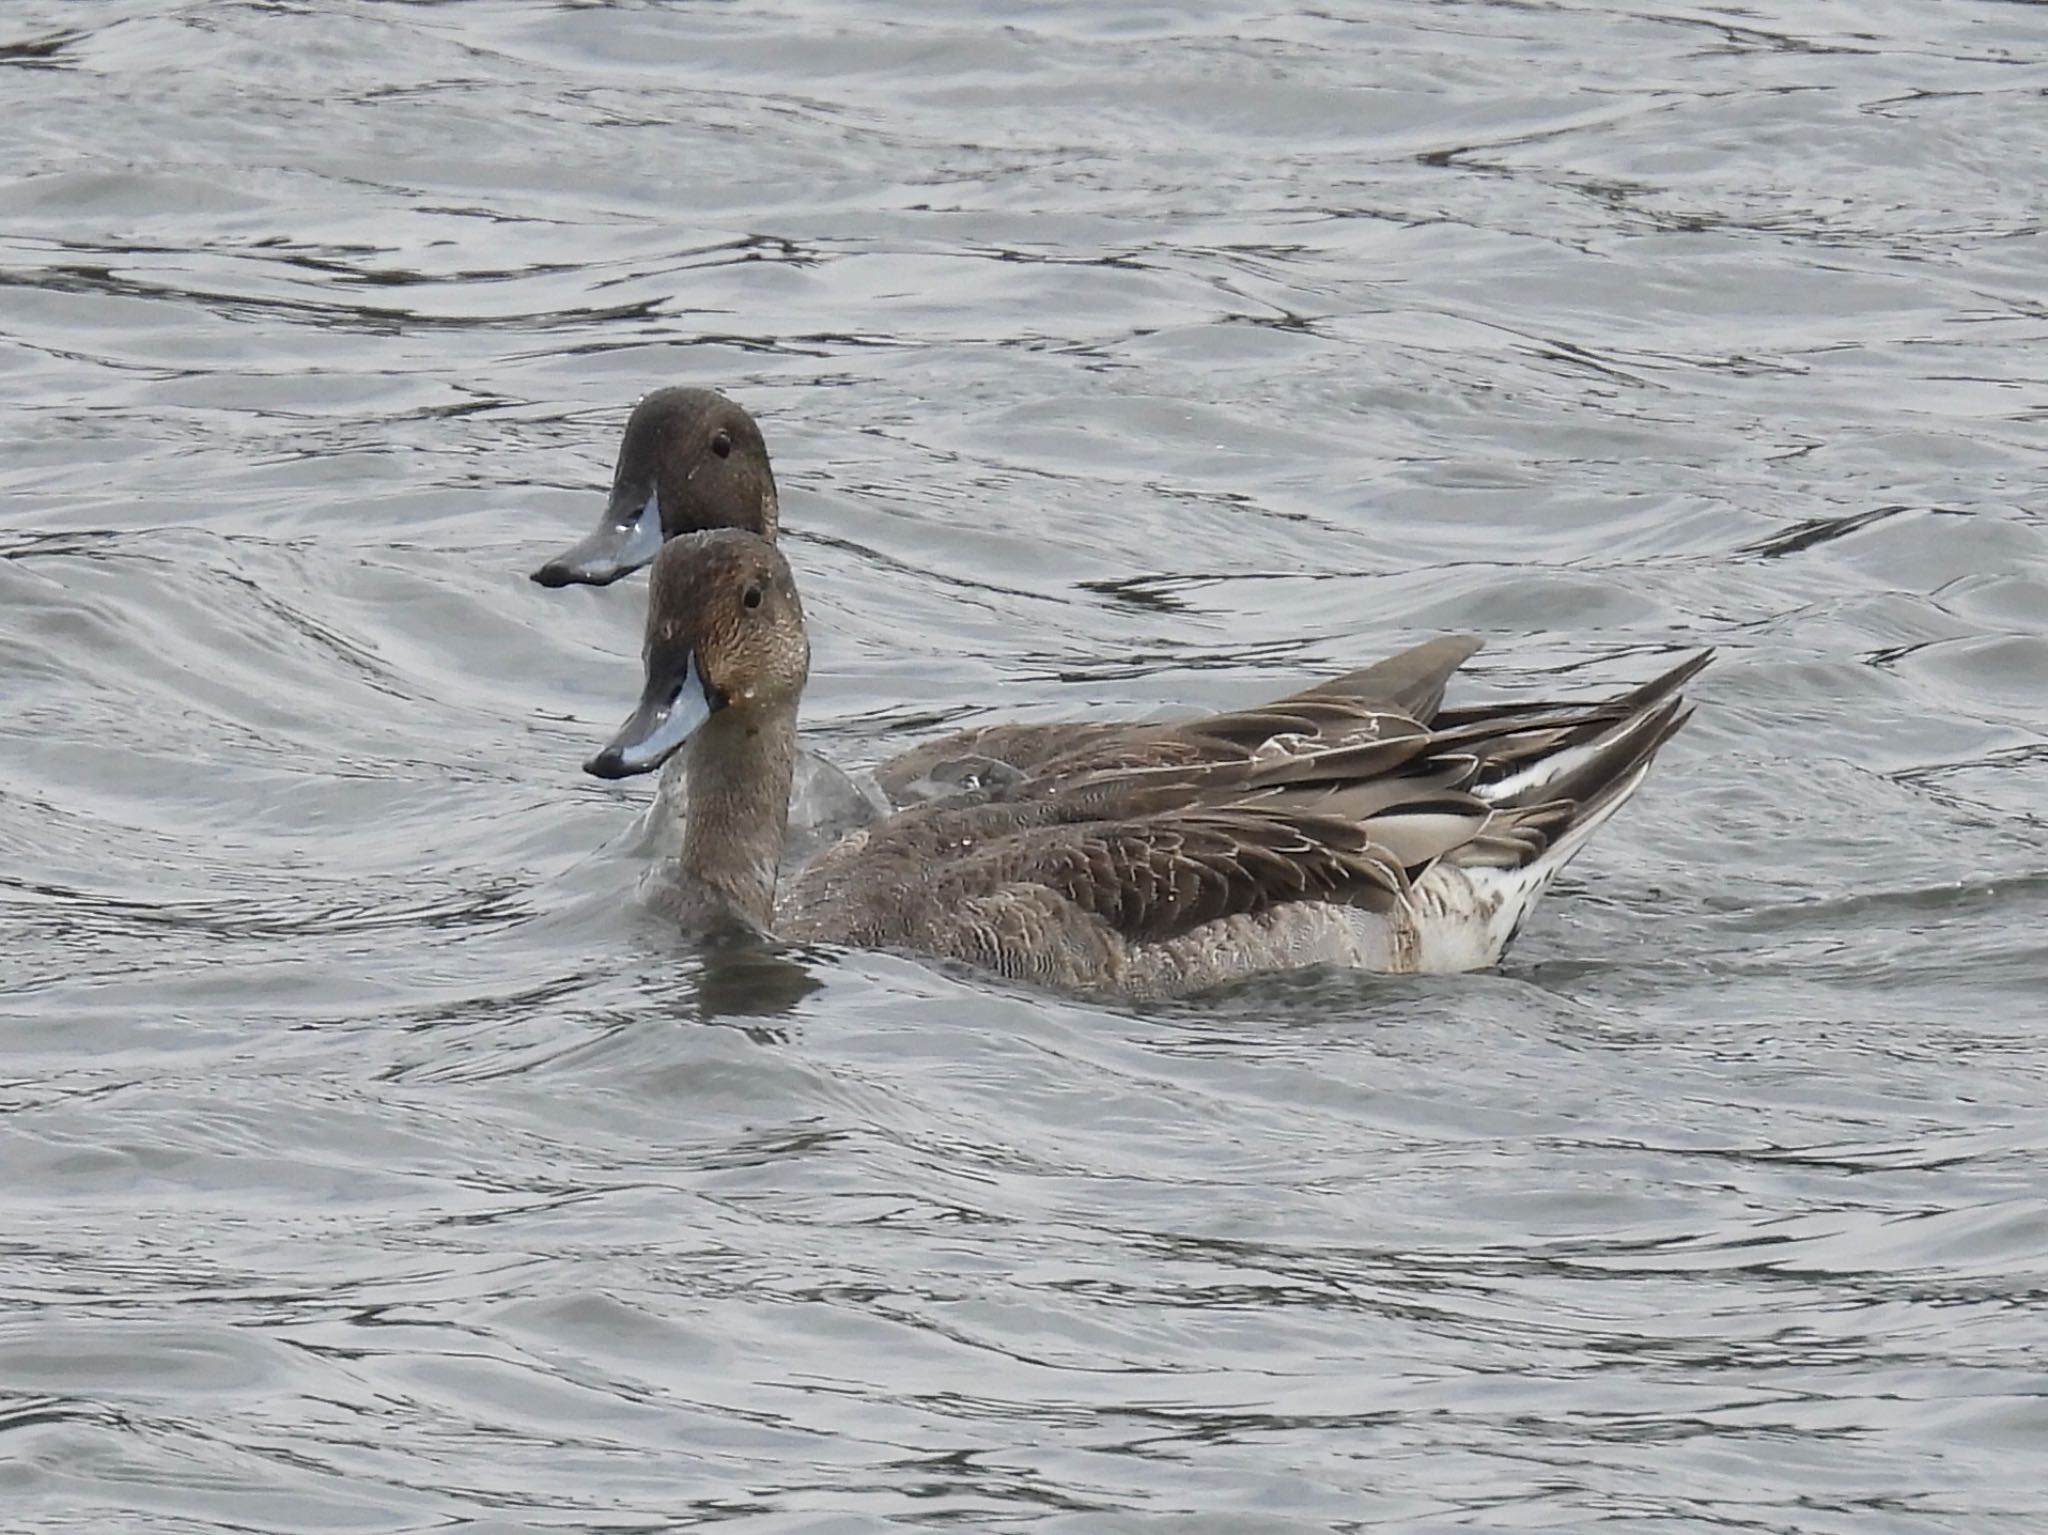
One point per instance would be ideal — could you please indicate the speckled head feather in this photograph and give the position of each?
(727, 597)
(725, 638)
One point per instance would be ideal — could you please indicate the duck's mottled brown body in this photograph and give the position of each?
(1356, 823)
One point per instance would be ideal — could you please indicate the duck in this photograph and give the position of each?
(1320, 830)
(693, 459)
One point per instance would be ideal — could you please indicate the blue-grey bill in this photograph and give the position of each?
(668, 715)
(618, 546)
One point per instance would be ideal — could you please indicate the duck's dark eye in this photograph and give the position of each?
(721, 444)
(753, 597)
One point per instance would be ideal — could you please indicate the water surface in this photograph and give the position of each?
(372, 1165)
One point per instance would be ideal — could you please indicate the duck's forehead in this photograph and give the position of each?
(690, 591)
(727, 566)
(680, 401)
(696, 568)
(680, 416)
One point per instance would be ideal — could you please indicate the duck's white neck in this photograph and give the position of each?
(739, 763)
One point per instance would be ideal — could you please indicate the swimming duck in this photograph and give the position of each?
(1320, 829)
(693, 459)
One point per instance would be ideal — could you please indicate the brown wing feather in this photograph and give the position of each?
(1397, 695)
(1151, 880)
(1412, 681)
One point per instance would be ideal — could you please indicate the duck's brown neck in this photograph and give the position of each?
(739, 763)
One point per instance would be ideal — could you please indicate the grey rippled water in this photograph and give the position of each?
(371, 1164)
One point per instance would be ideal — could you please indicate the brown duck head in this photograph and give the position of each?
(725, 639)
(691, 459)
